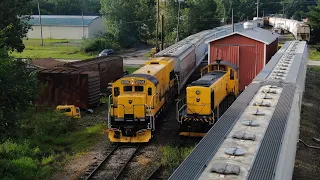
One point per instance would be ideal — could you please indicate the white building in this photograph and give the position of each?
(66, 27)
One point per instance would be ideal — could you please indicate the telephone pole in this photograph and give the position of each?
(162, 31)
(283, 10)
(157, 26)
(257, 8)
(40, 23)
(178, 22)
(232, 22)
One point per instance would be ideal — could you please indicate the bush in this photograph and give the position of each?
(21, 161)
(46, 124)
(98, 44)
(18, 88)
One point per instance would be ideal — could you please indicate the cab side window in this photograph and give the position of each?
(171, 75)
(205, 71)
(65, 110)
(116, 91)
(149, 91)
(231, 74)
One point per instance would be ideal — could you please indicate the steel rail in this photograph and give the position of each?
(94, 168)
(127, 162)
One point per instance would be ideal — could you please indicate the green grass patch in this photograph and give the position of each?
(53, 48)
(314, 54)
(314, 68)
(172, 157)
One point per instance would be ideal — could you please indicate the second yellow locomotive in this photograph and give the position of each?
(139, 98)
(203, 97)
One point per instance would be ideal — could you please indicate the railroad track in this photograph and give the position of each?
(112, 164)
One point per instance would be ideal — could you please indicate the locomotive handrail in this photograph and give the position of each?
(178, 108)
(179, 113)
(177, 78)
(109, 111)
(151, 114)
(212, 117)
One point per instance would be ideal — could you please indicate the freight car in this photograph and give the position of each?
(110, 68)
(138, 99)
(204, 96)
(62, 86)
(300, 30)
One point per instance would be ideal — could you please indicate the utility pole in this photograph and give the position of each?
(82, 22)
(178, 22)
(263, 13)
(157, 26)
(257, 8)
(224, 15)
(232, 21)
(162, 31)
(283, 10)
(40, 23)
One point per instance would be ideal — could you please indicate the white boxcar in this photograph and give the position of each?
(260, 21)
(300, 30)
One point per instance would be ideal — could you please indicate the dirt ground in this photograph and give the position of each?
(167, 133)
(307, 164)
(79, 163)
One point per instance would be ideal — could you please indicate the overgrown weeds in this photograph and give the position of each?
(172, 157)
(46, 140)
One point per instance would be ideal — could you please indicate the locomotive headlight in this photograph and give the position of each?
(197, 92)
(198, 99)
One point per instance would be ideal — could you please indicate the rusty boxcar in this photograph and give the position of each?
(69, 86)
(110, 68)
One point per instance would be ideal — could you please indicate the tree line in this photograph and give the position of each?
(134, 21)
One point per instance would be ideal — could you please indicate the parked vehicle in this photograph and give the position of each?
(70, 110)
(106, 52)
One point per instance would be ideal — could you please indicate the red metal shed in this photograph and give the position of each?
(250, 50)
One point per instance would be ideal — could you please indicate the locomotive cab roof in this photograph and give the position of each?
(208, 79)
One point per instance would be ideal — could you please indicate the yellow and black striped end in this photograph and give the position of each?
(204, 120)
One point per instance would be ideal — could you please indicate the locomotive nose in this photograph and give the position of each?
(131, 106)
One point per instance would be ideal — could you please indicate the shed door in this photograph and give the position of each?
(247, 66)
(229, 53)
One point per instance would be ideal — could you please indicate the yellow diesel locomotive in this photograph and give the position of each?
(203, 97)
(138, 99)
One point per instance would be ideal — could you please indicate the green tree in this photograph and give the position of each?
(129, 21)
(13, 23)
(314, 21)
(194, 15)
(66, 7)
(18, 88)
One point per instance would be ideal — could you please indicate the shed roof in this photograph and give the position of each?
(59, 20)
(258, 34)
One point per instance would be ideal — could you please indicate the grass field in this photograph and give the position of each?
(53, 48)
(314, 54)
